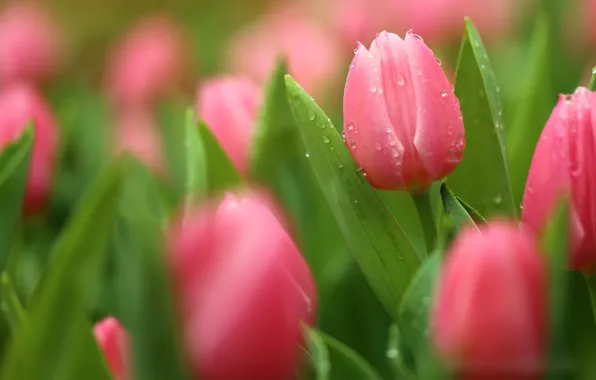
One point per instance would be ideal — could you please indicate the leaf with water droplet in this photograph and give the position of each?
(484, 158)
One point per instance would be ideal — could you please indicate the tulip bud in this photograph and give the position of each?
(29, 43)
(243, 289)
(114, 342)
(147, 63)
(403, 123)
(490, 310)
(20, 104)
(563, 162)
(230, 106)
(313, 56)
(137, 133)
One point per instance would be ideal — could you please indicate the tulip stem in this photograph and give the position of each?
(591, 282)
(427, 218)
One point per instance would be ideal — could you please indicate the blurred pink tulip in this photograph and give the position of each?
(137, 133)
(114, 342)
(243, 289)
(30, 43)
(490, 316)
(563, 162)
(230, 105)
(21, 104)
(312, 54)
(403, 123)
(147, 64)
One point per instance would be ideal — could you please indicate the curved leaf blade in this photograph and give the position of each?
(485, 157)
(377, 241)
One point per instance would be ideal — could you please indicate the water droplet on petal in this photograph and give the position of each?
(378, 146)
(400, 80)
(356, 51)
(416, 36)
(353, 144)
(439, 61)
(350, 126)
(443, 93)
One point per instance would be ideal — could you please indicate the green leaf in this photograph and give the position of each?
(414, 314)
(343, 360)
(221, 172)
(592, 84)
(536, 101)
(195, 162)
(377, 241)
(485, 157)
(11, 305)
(14, 167)
(319, 354)
(454, 209)
(145, 287)
(55, 342)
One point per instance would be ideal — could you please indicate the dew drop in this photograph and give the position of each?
(498, 199)
(311, 115)
(416, 36)
(340, 166)
(353, 144)
(380, 90)
(443, 93)
(400, 80)
(373, 89)
(307, 155)
(395, 153)
(439, 61)
(350, 126)
(594, 71)
(392, 353)
(355, 201)
(378, 146)
(326, 139)
(356, 51)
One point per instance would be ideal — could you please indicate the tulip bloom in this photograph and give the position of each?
(20, 104)
(147, 63)
(403, 122)
(313, 55)
(137, 133)
(490, 311)
(563, 162)
(230, 105)
(30, 45)
(243, 289)
(114, 342)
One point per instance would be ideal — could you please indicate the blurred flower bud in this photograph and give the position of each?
(230, 106)
(243, 289)
(137, 133)
(403, 123)
(30, 48)
(312, 54)
(21, 104)
(147, 64)
(564, 163)
(490, 311)
(113, 341)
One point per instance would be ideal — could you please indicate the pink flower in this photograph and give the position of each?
(564, 163)
(490, 310)
(312, 54)
(230, 105)
(114, 342)
(403, 123)
(21, 104)
(137, 133)
(30, 44)
(243, 289)
(146, 65)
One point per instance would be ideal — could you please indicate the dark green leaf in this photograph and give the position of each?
(55, 342)
(342, 358)
(535, 104)
(221, 173)
(11, 305)
(454, 209)
(377, 241)
(485, 157)
(145, 287)
(14, 167)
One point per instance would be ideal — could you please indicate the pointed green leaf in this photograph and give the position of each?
(485, 157)
(11, 305)
(56, 326)
(145, 287)
(195, 160)
(535, 102)
(319, 354)
(221, 172)
(14, 167)
(377, 241)
(342, 358)
(454, 209)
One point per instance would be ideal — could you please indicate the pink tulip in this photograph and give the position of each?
(146, 65)
(243, 289)
(564, 163)
(21, 104)
(490, 310)
(313, 56)
(403, 123)
(114, 342)
(230, 105)
(137, 133)
(30, 46)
